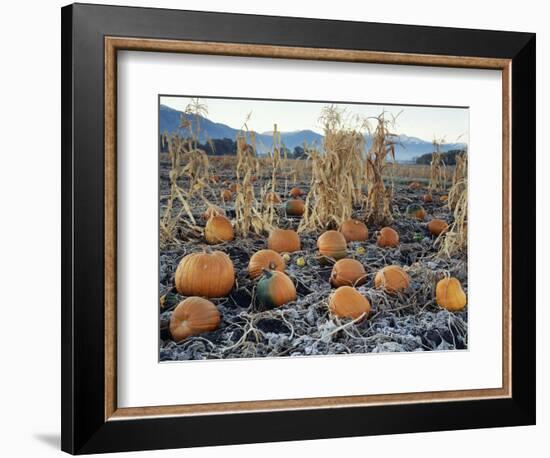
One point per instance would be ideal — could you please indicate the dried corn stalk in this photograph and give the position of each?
(438, 172)
(246, 167)
(173, 213)
(254, 215)
(459, 180)
(379, 197)
(268, 209)
(455, 240)
(334, 181)
(188, 162)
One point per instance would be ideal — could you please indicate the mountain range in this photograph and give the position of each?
(407, 149)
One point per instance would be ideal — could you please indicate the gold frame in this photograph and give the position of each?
(114, 44)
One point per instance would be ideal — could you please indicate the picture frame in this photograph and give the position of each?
(92, 35)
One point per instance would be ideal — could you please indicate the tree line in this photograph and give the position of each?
(228, 147)
(448, 158)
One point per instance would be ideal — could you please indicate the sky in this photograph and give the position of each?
(427, 123)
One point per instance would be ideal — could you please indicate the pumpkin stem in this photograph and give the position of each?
(268, 273)
(272, 266)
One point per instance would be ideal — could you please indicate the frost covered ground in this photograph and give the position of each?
(408, 322)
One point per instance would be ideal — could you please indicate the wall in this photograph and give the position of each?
(30, 229)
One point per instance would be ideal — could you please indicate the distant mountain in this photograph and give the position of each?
(408, 149)
(170, 121)
(413, 147)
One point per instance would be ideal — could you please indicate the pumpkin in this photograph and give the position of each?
(235, 187)
(449, 294)
(348, 272)
(212, 210)
(354, 230)
(437, 226)
(215, 178)
(427, 198)
(416, 211)
(253, 179)
(265, 259)
(414, 185)
(273, 198)
(444, 198)
(392, 278)
(218, 229)
(205, 274)
(347, 302)
(226, 195)
(283, 241)
(332, 244)
(387, 237)
(295, 207)
(193, 316)
(275, 289)
(300, 262)
(296, 192)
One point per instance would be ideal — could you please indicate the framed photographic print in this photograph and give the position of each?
(273, 221)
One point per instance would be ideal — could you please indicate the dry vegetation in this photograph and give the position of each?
(455, 241)
(438, 175)
(340, 180)
(336, 174)
(380, 196)
(245, 202)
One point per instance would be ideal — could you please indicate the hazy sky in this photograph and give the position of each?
(422, 122)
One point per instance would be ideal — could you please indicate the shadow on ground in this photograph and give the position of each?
(51, 439)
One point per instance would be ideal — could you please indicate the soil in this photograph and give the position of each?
(402, 323)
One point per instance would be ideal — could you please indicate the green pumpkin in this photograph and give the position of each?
(416, 211)
(275, 289)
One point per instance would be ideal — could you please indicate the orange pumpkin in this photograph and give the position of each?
(273, 198)
(265, 260)
(226, 195)
(437, 226)
(296, 192)
(449, 294)
(414, 185)
(427, 198)
(295, 207)
(193, 316)
(387, 237)
(275, 289)
(348, 272)
(218, 229)
(283, 241)
(354, 230)
(212, 210)
(416, 211)
(332, 244)
(235, 187)
(392, 278)
(215, 178)
(205, 274)
(444, 198)
(347, 302)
